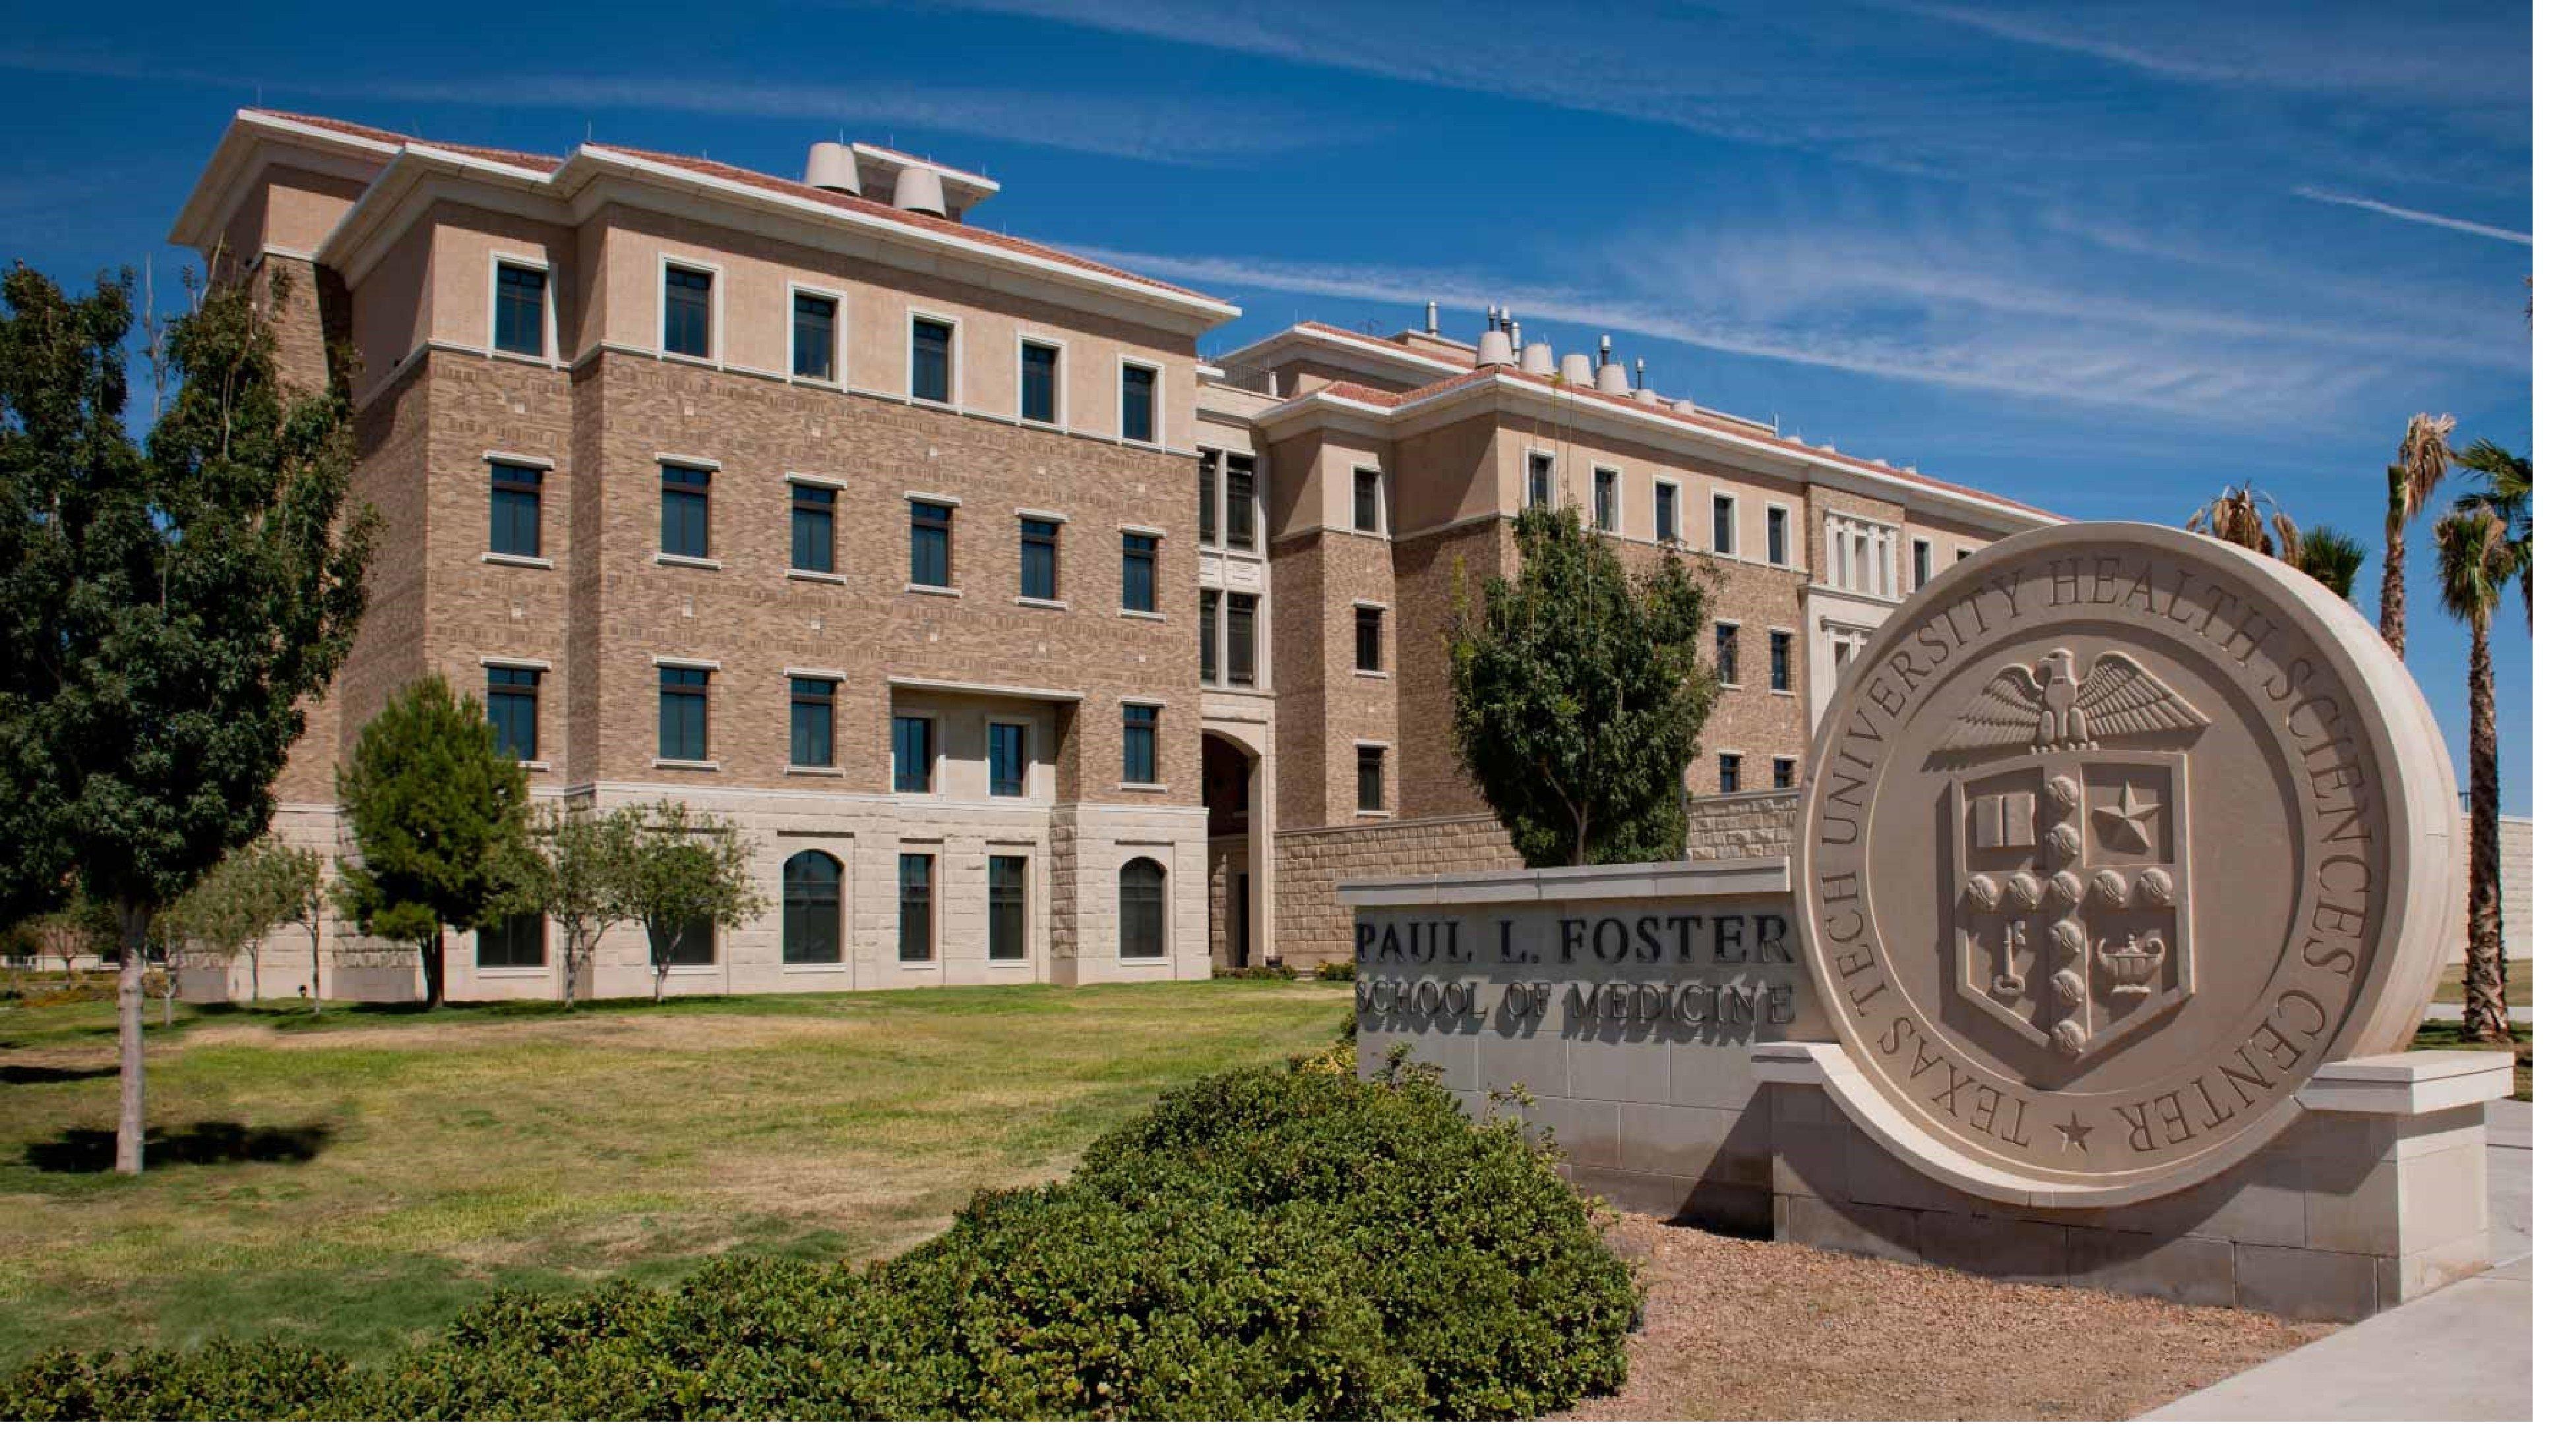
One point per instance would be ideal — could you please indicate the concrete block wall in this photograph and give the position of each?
(2514, 846)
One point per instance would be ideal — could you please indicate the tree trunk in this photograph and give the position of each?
(132, 955)
(431, 955)
(315, 971)
(252, 974)
(2394, 590)
(2483, 960)
(658, 984)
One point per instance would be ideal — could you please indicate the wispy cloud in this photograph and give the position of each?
(2411, 214)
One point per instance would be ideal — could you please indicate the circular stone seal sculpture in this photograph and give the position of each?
(2259, 805)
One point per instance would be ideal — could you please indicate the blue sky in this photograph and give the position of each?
(2106, 258)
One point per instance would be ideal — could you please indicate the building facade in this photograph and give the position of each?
(810, 503)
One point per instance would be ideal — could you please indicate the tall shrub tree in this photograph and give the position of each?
(438, 814)
(2473, 567)
(579, 876)
(1579, 694)
(164, 611)
(304, 878)
(2425, 452)
(685, 870)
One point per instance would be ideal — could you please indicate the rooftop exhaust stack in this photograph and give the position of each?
(1511, 326)
(1431, 318)
(919, 190)
(1538, 359)
(1494, 348)
(830, 166)
(1577, 370)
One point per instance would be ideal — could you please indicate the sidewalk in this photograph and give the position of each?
(2459, 1353)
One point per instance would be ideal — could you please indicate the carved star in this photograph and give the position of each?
(2127, 819)
(2074, 1133)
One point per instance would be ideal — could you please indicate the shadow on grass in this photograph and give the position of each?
(16, 1075)
(86, 1151)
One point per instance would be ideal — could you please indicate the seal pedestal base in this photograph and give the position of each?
(2376, 1193)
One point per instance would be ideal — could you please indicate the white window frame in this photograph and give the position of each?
(1741, 769)
(1918, 546)
(1159, 785)
(1384, 810)
(1021, 338)
(1057, 560)
(1162, 855)
(1528, 476)
(959, 375)
(937, 851)
(941, 753)
(1794, 767)
(1030, 764)
(709, 665)
(1384, 509)
(1156, 404)
(551, 307)
(1028, 853)
(1794, 661)
(1618, 480)
(839, 353)
(1679, 511)
(1726, 500)
(1786, 532)
(1383, 655)
(719, 308)
(1734, 684)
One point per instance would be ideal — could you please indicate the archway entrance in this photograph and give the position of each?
(1238, 882)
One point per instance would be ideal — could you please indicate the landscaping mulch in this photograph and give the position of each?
(1741, 1330)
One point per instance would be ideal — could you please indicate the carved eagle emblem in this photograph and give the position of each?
(2049, 708)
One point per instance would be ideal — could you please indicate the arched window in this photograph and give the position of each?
(1142, 910)
(813, 909)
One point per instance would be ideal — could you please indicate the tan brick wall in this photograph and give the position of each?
(1429, 780)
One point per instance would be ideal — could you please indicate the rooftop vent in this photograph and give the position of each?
(1646, 395)
(1613, 374)
(830, 166)
(1577, 370)
(1494, 348)
(1538, 359)
(1683, 406)
(919, 190)
(1431, 318)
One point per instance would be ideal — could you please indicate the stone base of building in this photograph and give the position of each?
(2376, 1193)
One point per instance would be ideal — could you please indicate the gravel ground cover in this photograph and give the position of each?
(1739, 1330)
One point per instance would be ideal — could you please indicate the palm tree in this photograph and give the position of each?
(2509, 496)
(2472, 565)
(2248, 517)
(2423, 454)
(2332, 558)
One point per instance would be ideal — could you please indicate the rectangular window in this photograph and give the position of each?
(1665, 511)
(911, 754)
(1008, 879)
(1243, 642)
(1603, 498)
(1368, 642)
(683, 714)
(1921, 565)
(915, 907)
(1728, 654)
(1137, 402)
(696, 944)
(1728, 772)
(1039, 382)
(812, 335)
(1782, 772)
(1540, 482)
(813, 527)
(1781, 662)
(516, 940)
(1208, 636)
(1778, 535)
(929, 369)
(1363, 501)
(812, 722)
(688, 312)
(928, 544)
(1372, 779)
(514, 701)
(520, 310)
(515, 510)
(1208, 498)
(1240, 523)
(1007, 754)
(1039, 559)
(1136, 572)
(684, 511)
(1724, 529)
(1138, 742)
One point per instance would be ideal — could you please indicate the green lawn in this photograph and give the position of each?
(356, 1177)
(2518, 983)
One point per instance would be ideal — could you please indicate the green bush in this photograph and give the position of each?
(1336, 970)
(1252, 974)
(1281, 1244)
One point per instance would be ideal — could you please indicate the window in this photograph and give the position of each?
(1540, 482)
(519, 324)
(515, 510)
(911, 754)
(1723, 531)
(1728, 654)
(1665, 511)
(688, 312)
(1208, 498)
(1781, 662)
(1142, 910)
(1136, 572)
(514, 697)
(1138, 742)
(1137, 402)
(1603, 498)
(1243, 642)
(928, 365)
(1039, 382)
(813, 527)
(915, 907)
(928, 544)
(1368, 641)
(812, 335)
(1240, 523)
(1782, 772)
(813, 723)
(1005, 759)
(684, 511)
(1208, 636)
(1779, 534)
(1919, 564)
(1728, 772)
(1009, 878)
(1039, 559)
(694, 943)
(813, 909)
(683, 714)
(1372, 779)
(1364, 502)
(1865, 556)
(516, 940)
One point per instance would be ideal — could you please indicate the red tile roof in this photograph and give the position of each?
(533, 160)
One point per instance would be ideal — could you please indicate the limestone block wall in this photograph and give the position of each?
(2514, 844)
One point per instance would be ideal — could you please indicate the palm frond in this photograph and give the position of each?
(2473, 564)
(2425, 453)
(2332, 558)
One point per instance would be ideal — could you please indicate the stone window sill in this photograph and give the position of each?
(1367, 672)
(923, 590)
(1141, 616)
(1145, 788)
(1045, 604)
(818, 771)
(695, 564)
(534, 766)
(802, 573)
(502, 558)
(698, 766)
(1374, 813)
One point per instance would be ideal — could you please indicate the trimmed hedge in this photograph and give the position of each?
(1276, 1243)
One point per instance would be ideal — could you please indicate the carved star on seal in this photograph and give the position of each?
(2127, 824)
(2074, 1133)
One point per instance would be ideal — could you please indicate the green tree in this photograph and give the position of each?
(1579, 696)
(438, 815)
(164, 612)
(2473, 567)
(209, 925)
(255, 892)
(685, 870)
(579, 875)
(2332, 558)
(2424, 455)
(2509, 478)
(303, 883)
